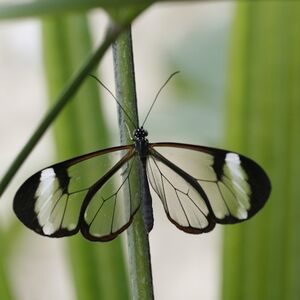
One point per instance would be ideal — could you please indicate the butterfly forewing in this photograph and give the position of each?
(52, 201)
(235, 187)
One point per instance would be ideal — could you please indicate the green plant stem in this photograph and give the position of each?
(67, 94)
(138, 243)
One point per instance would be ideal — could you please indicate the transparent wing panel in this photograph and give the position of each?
(183, 204)
(111, 208)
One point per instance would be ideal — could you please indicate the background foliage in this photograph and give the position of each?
(260, 258)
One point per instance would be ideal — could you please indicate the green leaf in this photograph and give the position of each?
(261, 256)
(97, 268)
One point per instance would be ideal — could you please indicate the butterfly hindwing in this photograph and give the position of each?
(53, 201)
(235, 187)
(181, 198)
(108, 211)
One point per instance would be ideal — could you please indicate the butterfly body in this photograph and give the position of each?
(142, 149)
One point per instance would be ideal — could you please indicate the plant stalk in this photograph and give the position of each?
(137, 236)
(66, 95)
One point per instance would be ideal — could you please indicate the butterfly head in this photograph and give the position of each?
(140, 134)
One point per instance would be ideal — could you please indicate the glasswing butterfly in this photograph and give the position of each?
(198, 187)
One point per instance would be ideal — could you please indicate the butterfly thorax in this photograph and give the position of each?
(141, 141)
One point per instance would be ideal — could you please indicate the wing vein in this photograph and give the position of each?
(63, 215)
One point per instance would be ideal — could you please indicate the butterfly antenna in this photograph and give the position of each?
(107, 89)
(173, 74)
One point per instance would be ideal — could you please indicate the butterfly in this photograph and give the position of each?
(198, 186)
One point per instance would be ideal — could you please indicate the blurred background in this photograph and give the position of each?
(238, 88)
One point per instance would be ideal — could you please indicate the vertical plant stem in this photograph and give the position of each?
(138, 243)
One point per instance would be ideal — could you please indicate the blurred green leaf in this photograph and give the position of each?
(60, 7)
(123, 8)
(261, 257)
(97, 268)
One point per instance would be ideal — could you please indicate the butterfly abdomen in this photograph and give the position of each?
(146, 202)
